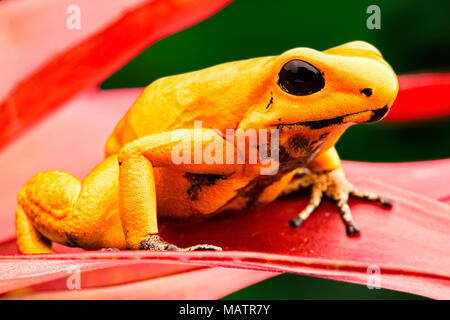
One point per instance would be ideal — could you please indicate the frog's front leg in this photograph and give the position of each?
(325, 177)
(137, 196)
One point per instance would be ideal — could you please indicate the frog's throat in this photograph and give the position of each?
(375, 115)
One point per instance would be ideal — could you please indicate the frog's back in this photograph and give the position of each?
(218, 96)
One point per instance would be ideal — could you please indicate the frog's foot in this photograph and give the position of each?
(156, 243)
(201, 247)
(336, 187)
(110, 249)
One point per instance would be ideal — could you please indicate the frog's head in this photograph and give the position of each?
(347, 84)
(313, 96)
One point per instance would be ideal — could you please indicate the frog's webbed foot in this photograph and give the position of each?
(336, 187)
(110, 249)
(201, 247)
(156, 243)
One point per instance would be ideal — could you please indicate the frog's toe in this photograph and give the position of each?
(369, 196)
(296, 222)
(156, 243)
(202, 247)
(110, 249)
(386, 202)
(344, 210)
(351, 230)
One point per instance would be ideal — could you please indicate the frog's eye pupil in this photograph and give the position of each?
(300, 78)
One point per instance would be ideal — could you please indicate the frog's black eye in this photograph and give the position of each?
(300, 78)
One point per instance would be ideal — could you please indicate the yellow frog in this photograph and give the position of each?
(307, 97)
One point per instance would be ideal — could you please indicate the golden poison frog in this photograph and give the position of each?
(172, 155)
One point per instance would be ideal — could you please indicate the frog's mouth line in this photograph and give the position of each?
(319, 124)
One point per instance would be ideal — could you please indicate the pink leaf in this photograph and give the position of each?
(44, 58)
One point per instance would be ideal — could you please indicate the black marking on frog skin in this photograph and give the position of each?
(71, 241)
(319, 124)
(303, 151)
(289, 163)
(198, 180)
(270, 101)
(378, 114)
(298, 143)
(294, 164)
(316, 124)
(284, 155)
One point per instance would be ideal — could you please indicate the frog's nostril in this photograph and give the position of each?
(367, 92)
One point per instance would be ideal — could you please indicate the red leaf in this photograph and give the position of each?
(204, 283)
(409, 243)
(71, 60)
(421, 96)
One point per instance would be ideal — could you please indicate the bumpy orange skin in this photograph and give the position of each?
(117, 204)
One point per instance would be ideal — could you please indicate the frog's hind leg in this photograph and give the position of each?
(57, 206)
(44, 208)
(29, 239)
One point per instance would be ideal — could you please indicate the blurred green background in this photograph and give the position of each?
(414, 37)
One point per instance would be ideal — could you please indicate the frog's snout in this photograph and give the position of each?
(379, 92)
(378, 114)
(380, 98)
